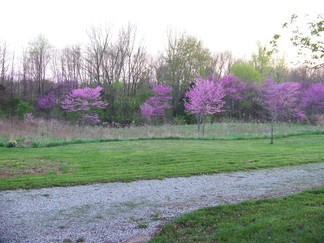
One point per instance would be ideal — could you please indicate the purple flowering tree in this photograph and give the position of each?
(313, 99)
(46, 102)
(205, 98)
(57, 93)
(282, 101)
(85, 101)
(234, 92)
(156, 106)
(147, 110)
(63, 88)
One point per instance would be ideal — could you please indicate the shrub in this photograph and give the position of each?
(11, 143)
(23, 108)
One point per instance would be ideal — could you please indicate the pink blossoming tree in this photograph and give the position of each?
(313, 99)
(85, 101)
(235, 90)
(205, 98)
(156, 106)
(282, 101)
(46, 102)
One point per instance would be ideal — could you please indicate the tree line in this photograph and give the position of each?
(127, 74)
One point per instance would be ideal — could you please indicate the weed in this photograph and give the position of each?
(54, 133)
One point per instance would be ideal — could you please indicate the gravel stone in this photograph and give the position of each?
(127, 212)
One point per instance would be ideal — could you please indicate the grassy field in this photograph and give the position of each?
(291, 219)
(146, 159)
(42, 133)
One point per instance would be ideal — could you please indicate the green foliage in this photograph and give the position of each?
(262, 61)
(269, 67)
(10, 105)
(148, 159)
(11, 143)
(15, 107)
(246, 72)
(307, 37)
(124, 108)
(23, 108)
(185, 119)
(70, 116)
(186, 58)
(279, 70)
(295, 218)
(2, 113)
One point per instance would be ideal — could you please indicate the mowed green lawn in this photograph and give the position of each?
(147, 159)
(295, 218)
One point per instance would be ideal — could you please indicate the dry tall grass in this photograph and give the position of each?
(45, 131)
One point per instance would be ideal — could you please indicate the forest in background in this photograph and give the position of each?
(126, 73)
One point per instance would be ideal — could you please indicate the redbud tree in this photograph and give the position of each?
(59, 91)
(46, 102)
(235, 91)
(313, 99)
(205, 98)
(85, 102)
(282, 101)
(156, 106)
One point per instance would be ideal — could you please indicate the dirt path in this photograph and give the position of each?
(117, 212)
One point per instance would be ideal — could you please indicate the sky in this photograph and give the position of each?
(234, 25)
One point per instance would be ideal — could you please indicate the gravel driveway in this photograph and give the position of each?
(119, 212)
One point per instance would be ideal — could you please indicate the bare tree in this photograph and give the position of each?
(221, 63)
(3, 62)
(26, 75)
(304, 73)
(40, 53)
(96, 52)
(133, 59)
(67, 64)
(73, 57)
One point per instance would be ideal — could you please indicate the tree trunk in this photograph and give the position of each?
(198, 122)
(271, 136)
(203, 127)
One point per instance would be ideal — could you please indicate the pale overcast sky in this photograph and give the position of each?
(234, 25)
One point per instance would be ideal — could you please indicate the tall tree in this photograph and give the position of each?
(127, 69)
(262, 61)
(26, 76)
(67, 64)
(96, 53)
(221, 63)
(185, 59)
(40, 53)
(246, 72)
(279, 70)
(3, 62)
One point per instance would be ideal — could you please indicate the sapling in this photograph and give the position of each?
(205, 98)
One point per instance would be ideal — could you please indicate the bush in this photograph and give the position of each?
(11, 143)
(23, 108)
